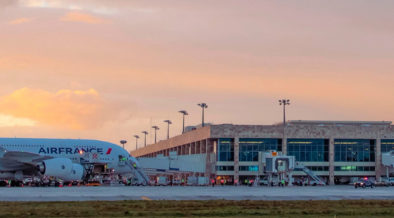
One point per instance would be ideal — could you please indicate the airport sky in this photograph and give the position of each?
(107, 70)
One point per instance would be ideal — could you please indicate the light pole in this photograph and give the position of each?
(136, 141)
(168, 127)
(155, 128)
(203, 106)
(284, 102)
(123, 142)
(184, 113)
(145, 133)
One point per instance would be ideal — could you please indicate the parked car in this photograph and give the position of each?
(388, 181)
(364, 184)
(263, 182)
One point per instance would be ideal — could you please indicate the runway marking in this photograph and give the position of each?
(145, 198)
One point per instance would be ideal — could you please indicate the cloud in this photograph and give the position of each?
(20, 21)
(103, 7)
(11, 121)
(81, 17)
(71, 109)
(91, 6)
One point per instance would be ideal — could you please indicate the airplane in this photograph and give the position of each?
(66, 159)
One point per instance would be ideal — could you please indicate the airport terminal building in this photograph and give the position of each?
(334, 150)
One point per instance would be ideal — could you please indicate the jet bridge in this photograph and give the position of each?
(281, 167)
(388, 162)
(278, 167)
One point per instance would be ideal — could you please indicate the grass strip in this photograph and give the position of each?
(214, 208)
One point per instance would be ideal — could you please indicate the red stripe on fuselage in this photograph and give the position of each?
(109, 151)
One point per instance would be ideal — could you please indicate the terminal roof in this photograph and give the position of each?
(327, 122)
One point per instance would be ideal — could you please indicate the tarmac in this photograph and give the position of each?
(111, 193)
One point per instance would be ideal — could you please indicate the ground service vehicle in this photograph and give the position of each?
(364, 184)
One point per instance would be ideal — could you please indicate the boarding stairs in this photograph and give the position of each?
(138, 173)
(310, 173)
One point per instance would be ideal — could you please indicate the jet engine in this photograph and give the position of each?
(62, 168)
(77, 173)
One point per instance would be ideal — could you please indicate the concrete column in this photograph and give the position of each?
(331, 152)
(210, 163)
(189, 150)
(284, 145)
(236, 159)
(378, 159)
(215, 149)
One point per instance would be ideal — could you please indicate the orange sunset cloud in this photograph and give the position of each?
(74, 16)
(20, 21)
(74, 109)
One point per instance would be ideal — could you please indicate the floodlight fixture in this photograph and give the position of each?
(184, 113)
(136, 141)
(168, 127)
(155, 128)
(123, 142)
(145, 133)
(203, 106)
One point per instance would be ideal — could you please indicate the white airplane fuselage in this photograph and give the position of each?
(93, 151)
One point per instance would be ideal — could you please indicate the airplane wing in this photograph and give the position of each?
(25, 157)
(18, 160)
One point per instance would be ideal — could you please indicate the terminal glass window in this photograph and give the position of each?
(354, 168)
(226, 150)
(249, 148)
(387, 145)
(249, 168)
(354, 150)
(308, 150)
(315, 168)
(225, 168)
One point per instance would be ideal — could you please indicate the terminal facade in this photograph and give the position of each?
(334, 150)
